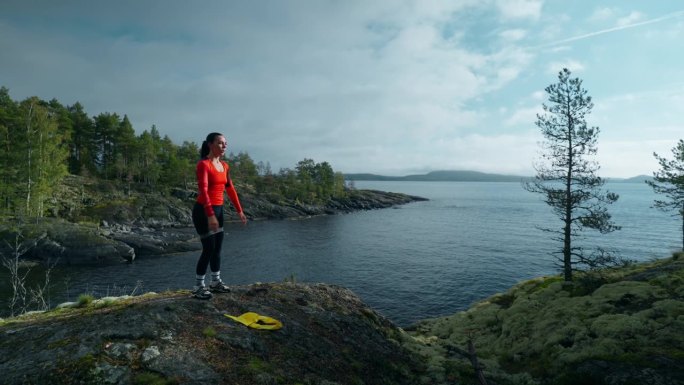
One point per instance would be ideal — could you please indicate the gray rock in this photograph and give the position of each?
(150, 354)
(121, 351)
(109, 374)
(333, 338)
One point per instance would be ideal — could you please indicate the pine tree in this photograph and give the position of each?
(82, 154)
(669, 181)
(11, 145)
(566, 177)
(124, 150)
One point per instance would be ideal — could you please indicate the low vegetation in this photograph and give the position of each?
(624, 323)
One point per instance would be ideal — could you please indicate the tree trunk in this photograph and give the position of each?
(28, 174)
(567, 234)
(476, 363)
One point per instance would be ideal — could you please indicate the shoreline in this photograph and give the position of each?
(162, 227)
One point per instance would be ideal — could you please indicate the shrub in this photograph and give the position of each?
(85, 300)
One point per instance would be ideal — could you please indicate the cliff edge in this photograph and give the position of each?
(328, 337)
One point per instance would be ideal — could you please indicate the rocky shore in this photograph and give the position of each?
(328, 337)
(108, 226)
(619, 327)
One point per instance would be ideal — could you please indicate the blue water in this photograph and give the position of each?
(416, 261)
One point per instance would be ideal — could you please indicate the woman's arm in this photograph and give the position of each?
(233, 196)
(203, 188)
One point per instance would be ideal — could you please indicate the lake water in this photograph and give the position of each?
(416, 261)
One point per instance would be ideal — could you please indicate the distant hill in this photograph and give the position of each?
(635, 179)
(441, 176)
(468, 176)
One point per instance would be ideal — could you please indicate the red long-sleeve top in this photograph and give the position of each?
(212, 183)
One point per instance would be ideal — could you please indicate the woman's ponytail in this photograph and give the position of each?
(204, 151)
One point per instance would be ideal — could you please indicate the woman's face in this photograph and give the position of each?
(218, 146)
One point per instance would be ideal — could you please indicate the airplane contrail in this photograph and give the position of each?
(604, 31)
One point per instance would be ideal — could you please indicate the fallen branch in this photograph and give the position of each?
(476, 364)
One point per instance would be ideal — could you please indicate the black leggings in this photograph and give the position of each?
(211, 243)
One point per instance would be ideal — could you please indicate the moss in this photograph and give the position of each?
(85, 300)
(148, 378)
(545, 326)
(619, 326)
(62, 343)
(209, 332)
(80, 371)
(104, 303)
(458, 371)
(533, 285)
(503, 300)
(670, 307)
(579, 378)
(257, 365)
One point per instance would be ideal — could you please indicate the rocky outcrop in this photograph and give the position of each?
(55, 241)
(328, 337)
(260, 207)
(81, 199)
(107, 225)
(621, 327)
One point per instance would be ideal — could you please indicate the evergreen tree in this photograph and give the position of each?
(266, 181)
(324, 177)
(41, 142)
(306, 171)
(172, 167)
(188, 154)
(669, 181)
(65, 125)
(243, 168)
(566, 177)
(11, 147)
(106, 128)
(82, 154)
(46, 154)
(125, 146)
(148, 156)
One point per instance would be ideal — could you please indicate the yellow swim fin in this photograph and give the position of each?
(256, 321)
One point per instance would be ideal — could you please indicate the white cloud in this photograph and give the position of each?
(513, 34)
(571, 64)
(630, 19)
(627, 22)
(614, 162)
(508, 154)
(520, 9)
(538, 95)
(602, 14)
(524, 116)
(368, 86)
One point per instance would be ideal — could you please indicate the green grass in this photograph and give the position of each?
(209, 332)
(85, 300)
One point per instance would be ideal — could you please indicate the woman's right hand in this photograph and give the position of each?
(213, 223)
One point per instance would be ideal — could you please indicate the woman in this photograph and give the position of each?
(213, 179)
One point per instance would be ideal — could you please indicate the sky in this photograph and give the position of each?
(387, 87)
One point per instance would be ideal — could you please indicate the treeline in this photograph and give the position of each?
(43, 141)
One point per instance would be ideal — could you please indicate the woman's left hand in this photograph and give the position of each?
(243, 218)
